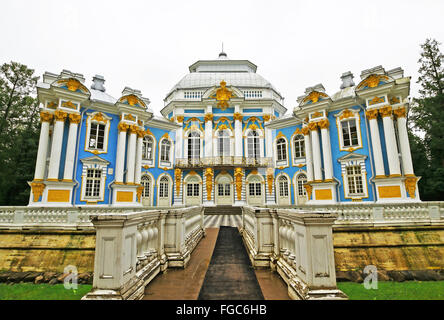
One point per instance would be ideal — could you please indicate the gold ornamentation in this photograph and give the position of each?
(129, 117)
(305, 131)
(323, 194)
(73, 84)
(238, 176)
(179, 119)
(372, 81)
(376, 100)
(324, 124)
(37, 190)
(139, 193)
(270, 180)
(267, 117)
(122, 127)
(133, 129)
(237, 116)
(346, 114)
(124, 196)
(309, 190)
(146, 167)
(400, 112)
(317, 114)
(394, 100)
(74, 118)
(208, 117)
(223, 127)
(280, 134)
(148, 132)
(132, 100)
(389, 191)
(45, 116)
(99, 118)
(209, 182)
(314, 97)
(410, 186)
(140, 133)
(69, 105)
(312, 126)
(178, 178)
(52, 105)
(371, 114)
(60, 115)
(139, 122)
(252, 126)
(58, 195)
(223, 95)
(385, 111)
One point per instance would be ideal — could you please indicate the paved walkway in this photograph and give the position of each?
(186, 284)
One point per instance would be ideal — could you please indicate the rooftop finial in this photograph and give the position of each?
(222, 55)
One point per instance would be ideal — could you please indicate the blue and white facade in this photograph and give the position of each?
(224, 139)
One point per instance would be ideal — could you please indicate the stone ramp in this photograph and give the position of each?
(230, 275)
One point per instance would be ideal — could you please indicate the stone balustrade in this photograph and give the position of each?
(133, 247)
(298, 244)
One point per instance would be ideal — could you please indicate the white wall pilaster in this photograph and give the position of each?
(40, 165)
(120, 154)
(316, 152)
(56, 148)
(238, 152)
(131, 155)
(390, 141)
(326, 150)
(138, 169)
(74, 120)
(404, 144)
(308, 154)
(372, 116)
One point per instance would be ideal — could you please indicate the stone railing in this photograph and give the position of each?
(298, 244)
(222, 161)
(387, 214)
(61, 218)
(132, 248)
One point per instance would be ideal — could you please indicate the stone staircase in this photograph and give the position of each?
(223, 210)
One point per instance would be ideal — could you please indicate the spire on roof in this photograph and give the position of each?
(222, 54)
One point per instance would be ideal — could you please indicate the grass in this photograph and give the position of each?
(29, 291)
(390, 290)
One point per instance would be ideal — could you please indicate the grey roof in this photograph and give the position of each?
(344, 93)
(101, 96)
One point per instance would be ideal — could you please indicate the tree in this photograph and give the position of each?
(19, 132)
(427, 114)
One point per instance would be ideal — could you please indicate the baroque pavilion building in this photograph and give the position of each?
(224, 139)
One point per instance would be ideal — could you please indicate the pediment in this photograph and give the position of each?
(95, 160)
(352, 156)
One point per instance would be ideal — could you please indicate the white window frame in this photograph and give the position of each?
(354, 160)
(298, 160)
(339, 123)
(170, 187)
(147, 162)
(260, 141)
(283, 162)
(93, 118)
(96, 163)
(163, 163)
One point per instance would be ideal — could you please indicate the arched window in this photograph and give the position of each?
(194, 145)
(165, 150)
(253, 145)
(283, 186)
(301, 180)
(146, 184)
(163, 187)
(299, 146)
(281, 146)
(147, 149)
(223, 143)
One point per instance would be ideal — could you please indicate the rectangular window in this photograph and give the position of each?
(165, 151)
(97, 136)
(93, 180)
(349, 133)
(354, 179)
(192, 189)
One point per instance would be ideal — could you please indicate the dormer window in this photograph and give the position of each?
(97, 132)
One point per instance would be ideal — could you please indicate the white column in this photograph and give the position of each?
(40, 164)
(131, 155)
(308, 154)
(390, 141)
(139, 146)
(268, 138)
(179, 138)
(406, 155)
(120, 154)
(208, 133)
(56, 148)
(372, 116)
(316, 147)
(238, 152)
(326, 149)
(74, 120)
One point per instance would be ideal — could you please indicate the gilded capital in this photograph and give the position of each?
(371, 114)
(45, 116)
(309, 190)
(324, 124)
(410, 185)
(60, 115)
(267, 117)
(122, 127)
(133, 129)
(400, 112)
(180, 119)
(385, 111)
(238, 116)
(312, 126)
(305, 131)
(140, 133)
(74, 118)
(208, 117)
(37, 190)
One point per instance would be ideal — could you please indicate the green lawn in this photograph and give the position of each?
(390, 290)
(29, 291)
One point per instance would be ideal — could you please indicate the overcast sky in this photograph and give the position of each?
(148, 45)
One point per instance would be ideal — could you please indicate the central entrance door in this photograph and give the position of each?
(224, 191)
(193, 191)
